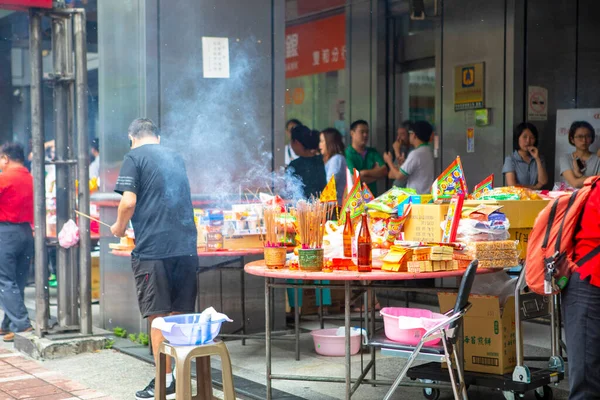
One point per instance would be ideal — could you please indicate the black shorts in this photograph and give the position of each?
(167, 285)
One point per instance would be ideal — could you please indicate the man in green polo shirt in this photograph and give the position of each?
(365, 159)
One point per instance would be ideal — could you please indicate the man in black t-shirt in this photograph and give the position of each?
(157, 200)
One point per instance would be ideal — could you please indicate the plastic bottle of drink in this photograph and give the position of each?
(347, 235)
(364, 246)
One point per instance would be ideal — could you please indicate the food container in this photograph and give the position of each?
(310, 259)
(408, 325)
(275, 257)
(328, 343)
(187, 330)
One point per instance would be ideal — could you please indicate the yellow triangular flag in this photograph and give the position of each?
(329, 194)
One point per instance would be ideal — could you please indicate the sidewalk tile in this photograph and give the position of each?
(68, 386)
(16, 375)
(88, 394)
(57, 396)
(22, 384)
(39, 391)
(50, 376)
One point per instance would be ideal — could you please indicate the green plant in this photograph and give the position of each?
(143, 339)
(108, 344)
(120, 332)
(133, 337)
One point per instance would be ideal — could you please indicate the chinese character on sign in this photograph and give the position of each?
(316, 56)
(291, 45)
(473, 339)
(488, 341)
(479, 340)
(466, 339)
(344, 52)
(325, 55)
(335, 54)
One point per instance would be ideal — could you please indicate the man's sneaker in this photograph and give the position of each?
(148, 392)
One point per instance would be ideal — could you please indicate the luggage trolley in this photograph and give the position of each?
(528, 305)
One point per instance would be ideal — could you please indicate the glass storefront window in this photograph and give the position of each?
(315, 62)
(317, 100)
(421, 95)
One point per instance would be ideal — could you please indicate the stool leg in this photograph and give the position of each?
(160, 382)
(203, 378)
(226, 372)
(183, 379)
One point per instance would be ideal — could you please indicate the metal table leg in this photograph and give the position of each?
(371, 330)
(243, 282)
(268, 334)
(347, 295)
(297, 323)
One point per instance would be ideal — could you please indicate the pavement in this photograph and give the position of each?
(118, 374)
(21, 378)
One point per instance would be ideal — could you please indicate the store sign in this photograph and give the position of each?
(469, 86)
(564, 119)
(315, 47)
(25, 4)
(537, 104)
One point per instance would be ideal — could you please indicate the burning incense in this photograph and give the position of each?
(271, 217)
(311, 217)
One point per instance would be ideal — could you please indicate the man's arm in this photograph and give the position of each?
(124, 213)
(373, 174)
(396, 173)
(379, 171)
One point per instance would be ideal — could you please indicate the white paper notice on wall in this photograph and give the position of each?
(215, 57)
(537, 108)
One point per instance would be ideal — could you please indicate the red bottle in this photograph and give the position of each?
(364, 247)
(348, 235)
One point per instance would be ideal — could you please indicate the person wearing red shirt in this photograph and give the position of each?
(581, 306)
(16, 238)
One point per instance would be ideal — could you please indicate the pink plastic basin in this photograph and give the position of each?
(408, 325)
(327, 343)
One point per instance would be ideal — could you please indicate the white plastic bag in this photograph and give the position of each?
(333, 240)
(471, 230)
(68, 235)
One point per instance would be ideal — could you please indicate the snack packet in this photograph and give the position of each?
(390, 200)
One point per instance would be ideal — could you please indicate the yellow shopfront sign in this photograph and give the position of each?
(469, 86)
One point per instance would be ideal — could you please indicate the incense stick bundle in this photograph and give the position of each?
(271, 217)
(311, 217)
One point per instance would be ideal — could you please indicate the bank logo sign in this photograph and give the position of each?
(469, 90)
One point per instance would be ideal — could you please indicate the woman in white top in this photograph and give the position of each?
(332, 150)
(576, 167)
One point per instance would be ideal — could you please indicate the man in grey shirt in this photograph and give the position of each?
(418, 169)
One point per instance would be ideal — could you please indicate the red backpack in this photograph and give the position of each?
(550, 249)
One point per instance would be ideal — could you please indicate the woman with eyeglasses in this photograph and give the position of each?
(577, 166)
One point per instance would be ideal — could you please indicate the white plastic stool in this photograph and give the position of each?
(183, 356)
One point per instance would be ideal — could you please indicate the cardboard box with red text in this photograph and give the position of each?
(489, 333)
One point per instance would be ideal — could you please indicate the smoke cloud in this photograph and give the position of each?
(222, 128)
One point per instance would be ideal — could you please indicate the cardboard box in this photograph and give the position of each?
(522, 213)
(309, 302)
(489, 333)
(250, 241)
(424, 222)
(522, 235)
